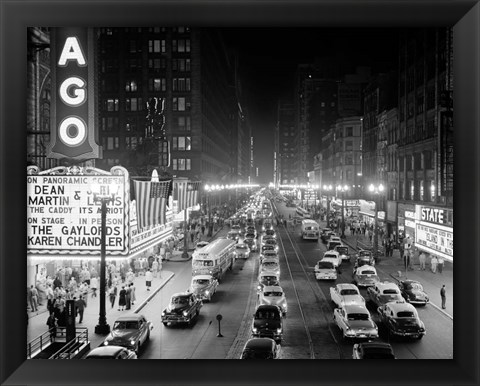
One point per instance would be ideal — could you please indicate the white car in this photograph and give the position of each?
(365, 276)
(325, 270)
(346, 294)
(355, 322)
(268, 255)
(242, 251)
(270, 265)
(273, 295)
(334, 257)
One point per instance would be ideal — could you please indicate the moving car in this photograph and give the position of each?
(332, 256)
(383, 292)
(273, 295)
(412, 291)
(364, 257)
(267, 323)
(332, 243)
(325, 234)
(203, 287)
(355, 322)
(271, 232)
(269, 255)
(261, 348)
(271, 242)
(365, 276)
(269, 247)
(251, 242)
(233, 235)
(346, 294)
(266, 279)
(111, 352)
(242, 251)
(325, 270)
(183, 307)
(343, 252)
(270, 265)
(130, 331)
(401, 319)
(373, 350)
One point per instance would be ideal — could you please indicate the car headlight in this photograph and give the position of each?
(206, 292)
(163, 313)
(254, 329)
(350, 332)
(185, 313)
(132, 342)
(210, 272)
(105, 343)
(279, 330)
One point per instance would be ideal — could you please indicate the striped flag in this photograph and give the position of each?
(152, 198)
(186, 193)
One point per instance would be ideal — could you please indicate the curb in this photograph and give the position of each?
(145, 302)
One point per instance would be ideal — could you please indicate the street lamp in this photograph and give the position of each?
(209, 188)
(103, 194)
(328, 189)
(343, 189)
(376, 190)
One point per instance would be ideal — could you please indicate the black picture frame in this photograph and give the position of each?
(16, 16)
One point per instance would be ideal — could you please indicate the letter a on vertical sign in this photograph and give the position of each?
(73, 117)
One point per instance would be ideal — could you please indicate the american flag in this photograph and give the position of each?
(186, 194)
(152, 198)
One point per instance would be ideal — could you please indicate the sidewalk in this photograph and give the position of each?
(432, 282)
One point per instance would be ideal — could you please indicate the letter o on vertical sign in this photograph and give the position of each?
(72, 131)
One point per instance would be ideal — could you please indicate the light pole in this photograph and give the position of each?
(103, 194)
(343, 189)
(328, 189)
(376, 190)
(208, 189)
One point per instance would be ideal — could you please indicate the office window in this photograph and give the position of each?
(157, 84)
(157, 64)
(183, 123)
(181, 164)
(432, 190)
(402, 190)
(156, 46)
(349, 131)
(181, 84)
(181, 45)
(180, 104)
(131, 143)
(131, 86)
(421, 190)
(181, 64)
(412, 190)
(181, 143)
(112, 104)
(133, 104)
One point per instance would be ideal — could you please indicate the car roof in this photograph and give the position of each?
(386, 285)
(343, 286)
(208, 277)
(106, 351)
(269, 273)
(366, 268)
(410, 281)
(129, 317)
(355, 308)
(182, 294)
(267, 307)
(401, 305)
(272, 288)
(241, 245)
(260, 344)
(330, 253)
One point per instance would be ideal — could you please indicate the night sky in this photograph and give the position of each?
(268, 58)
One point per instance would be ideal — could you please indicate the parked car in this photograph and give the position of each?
(271, 232)
(130, 331)
(412, 291)
(268, 247)
(383, 292)
(373, 350)
(343, 252)
(355, 322)
(365, 276)
(183, 307)
(332, 256)
(401, 319)
(273, 295)
(325, 270)
(364, 257)
(233, 235)
(203, 287)
(261, 348)
(346, 294)
(269, 255)
(325, 234)
(266, 279)
(111, 352)
(242, 251)
(267, 323)
(270, 265)
(272, 242)
(332, 243)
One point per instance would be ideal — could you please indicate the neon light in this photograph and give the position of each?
(80, 135)
(78, 92)
(72, 51)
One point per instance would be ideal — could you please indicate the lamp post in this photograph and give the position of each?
(103, 194)
(328, 189)
(343, 189)
(376, 190)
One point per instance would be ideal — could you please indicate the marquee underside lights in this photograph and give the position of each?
(73, 111)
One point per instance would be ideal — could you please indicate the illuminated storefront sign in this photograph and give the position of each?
(435, 239)
(63, 218)
(73, 106)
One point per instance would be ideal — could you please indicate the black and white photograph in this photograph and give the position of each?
(240, 193)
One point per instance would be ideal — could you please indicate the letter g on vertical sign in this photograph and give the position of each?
(73, 108)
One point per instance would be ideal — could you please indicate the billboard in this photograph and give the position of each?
(63, 218)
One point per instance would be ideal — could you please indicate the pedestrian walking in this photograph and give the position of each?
(148, 279)
(94, 286)
(155, 268)
(433, 264)
(50, 297)
(160, 266)
(162, 252)
(33, 298)
(133, 297)
(52, 326)
(121, 299)
(84, 291)
(112, 293)
(443, 295)
(79, 307)
(422, 259)
(440, 264)
(128, 297)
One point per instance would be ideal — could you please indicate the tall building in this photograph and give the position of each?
(285, 143)
(194, 74)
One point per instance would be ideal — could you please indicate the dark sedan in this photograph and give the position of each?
(412, 291)
(111, 352)
(130, 331)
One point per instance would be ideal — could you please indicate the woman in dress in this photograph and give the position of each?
(122, 301)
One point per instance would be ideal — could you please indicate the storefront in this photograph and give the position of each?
(391, 220)
(367, 215)
(406, 221)
(434, 231)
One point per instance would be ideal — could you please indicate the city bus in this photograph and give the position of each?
(214, 259)
(310, 230)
